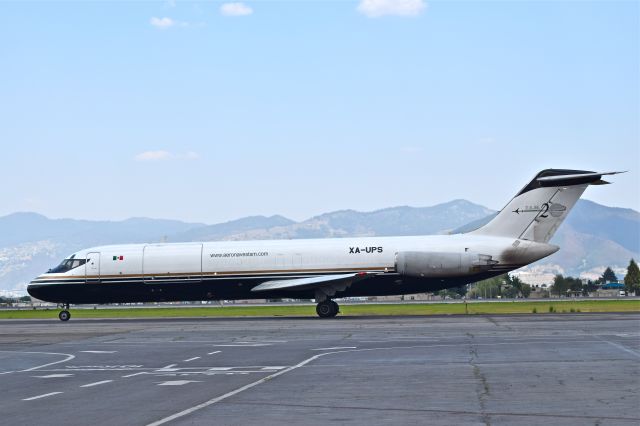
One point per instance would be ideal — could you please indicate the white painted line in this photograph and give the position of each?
(53, 376)
(313, 358)
(214, 352)
(103, 367)
(178, 382)
(625, 335)
(623, 348)
(149, 342)
(135, 374)
(220, 368)
(99, 352)
(336, 348)
(88, 385)
(41, 396)
(168, 366)
(230, 345)
(191, 359)
(272, 368)
(69, 357)
(232, 393)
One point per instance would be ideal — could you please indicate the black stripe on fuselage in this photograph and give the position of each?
(149, 279)
(231, 289)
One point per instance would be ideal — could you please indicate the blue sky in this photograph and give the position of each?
(205, 111)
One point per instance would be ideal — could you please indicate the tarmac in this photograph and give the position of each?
(562, 369)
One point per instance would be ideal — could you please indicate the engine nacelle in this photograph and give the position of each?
(421, 264)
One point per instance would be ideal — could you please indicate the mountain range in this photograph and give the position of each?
(592, 237)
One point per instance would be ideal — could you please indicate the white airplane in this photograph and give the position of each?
(320, 268)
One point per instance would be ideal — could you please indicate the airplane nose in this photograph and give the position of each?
(35, 291)
(31, 290)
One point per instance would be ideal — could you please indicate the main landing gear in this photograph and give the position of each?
(327, 309)
(64, 315)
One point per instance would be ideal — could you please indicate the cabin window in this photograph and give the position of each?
(68, 264)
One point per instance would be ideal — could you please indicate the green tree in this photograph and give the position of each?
(460, 291)
(609, 276)
(560, 285)
(516, 287)
(589, 287)
(489, 288)
(450, 293)
(574, 284)
(510, 292)
(526, 290)
(632, 279)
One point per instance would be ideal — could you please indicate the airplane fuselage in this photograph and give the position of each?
(230, 270)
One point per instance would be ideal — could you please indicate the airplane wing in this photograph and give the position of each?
(327, 284)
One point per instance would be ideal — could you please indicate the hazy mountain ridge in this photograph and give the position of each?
(612, 223)
(226, 230)
(18, 228)
(402, 220)
(593, 235)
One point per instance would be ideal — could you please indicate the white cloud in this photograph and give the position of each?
(161, 155)
(153, 156)
(377, 8)
(162, 23)
(235, 9)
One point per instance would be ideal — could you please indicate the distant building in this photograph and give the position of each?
(539, 276)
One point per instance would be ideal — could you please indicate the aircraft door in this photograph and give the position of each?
(92, 268)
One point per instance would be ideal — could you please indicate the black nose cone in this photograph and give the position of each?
(35, 291)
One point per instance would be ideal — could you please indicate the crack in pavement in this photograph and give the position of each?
(482, 387)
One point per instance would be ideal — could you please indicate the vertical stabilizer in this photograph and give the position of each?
(537, 211)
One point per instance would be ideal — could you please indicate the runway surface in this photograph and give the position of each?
(526, 369)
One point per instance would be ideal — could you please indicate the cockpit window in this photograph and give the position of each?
(68, 264)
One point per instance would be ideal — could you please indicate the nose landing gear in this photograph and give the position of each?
(327, 309)
(64, 315)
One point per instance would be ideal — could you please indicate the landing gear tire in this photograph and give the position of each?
(64, 315)
(327, 309)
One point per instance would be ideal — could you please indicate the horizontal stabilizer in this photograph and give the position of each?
(576, 176)
(563, 177)
(592, 178)
(310, 282)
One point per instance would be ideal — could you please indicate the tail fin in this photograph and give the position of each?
(537, 211)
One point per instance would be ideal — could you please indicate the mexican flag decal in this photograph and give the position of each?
(118, 257)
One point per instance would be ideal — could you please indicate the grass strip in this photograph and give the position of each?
(551, 306)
